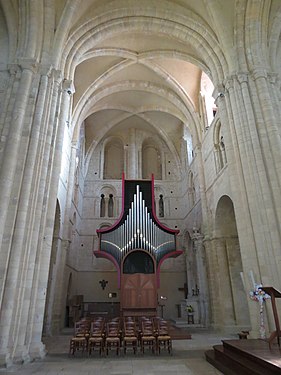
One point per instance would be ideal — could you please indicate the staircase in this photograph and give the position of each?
(245, 357)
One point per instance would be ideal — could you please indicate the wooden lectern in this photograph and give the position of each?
(274, 293)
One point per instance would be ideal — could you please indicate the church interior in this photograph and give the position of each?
(182, 96)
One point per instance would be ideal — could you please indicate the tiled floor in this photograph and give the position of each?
(187, 359)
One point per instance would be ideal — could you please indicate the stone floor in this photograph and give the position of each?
(187, 359)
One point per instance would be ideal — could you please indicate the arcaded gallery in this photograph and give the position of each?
(140, 180)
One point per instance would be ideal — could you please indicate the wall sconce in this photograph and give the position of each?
(112, 295)
(103, 283)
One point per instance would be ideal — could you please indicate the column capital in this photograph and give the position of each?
(259, 73)
(242, 77)
(14, 69)
(29, 64)
(273, 78)
(229, 83)
(196, 235)
(46, 69)
(67, 86)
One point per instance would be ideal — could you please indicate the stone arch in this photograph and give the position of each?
(83, 38)
(87, 106)
(168, 142)
(151, 159)
(234, 311)
(113, 165)
(81, 42)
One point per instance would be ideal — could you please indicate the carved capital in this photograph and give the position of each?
(196, 235)
(29, 64)
(56, 74)
(229, 83)
(273, 78)
(259, 73)
(14, 69)
(242, 77)
(46, 70)
(67, 86)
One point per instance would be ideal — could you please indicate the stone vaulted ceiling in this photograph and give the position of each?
(135, 76)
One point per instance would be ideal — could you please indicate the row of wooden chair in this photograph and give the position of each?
(128, 333)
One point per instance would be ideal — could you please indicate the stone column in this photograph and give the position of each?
(239, 297)
(24, 73)
(202, 190)
(58, 301)
(197, 239)
(132, 155)
(13, 271)
(47, 225)
(213, 282)
(231, 109)
(227, 318)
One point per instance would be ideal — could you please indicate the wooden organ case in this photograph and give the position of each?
(138, 244)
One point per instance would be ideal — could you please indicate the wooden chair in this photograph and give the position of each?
(80, 339)
(147, 337)
(130, 338)
(96, 339)
(112, 339)
(163, 338)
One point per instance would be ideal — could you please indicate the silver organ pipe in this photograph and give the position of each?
(137, 231)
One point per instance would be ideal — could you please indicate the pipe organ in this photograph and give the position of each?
(137, 238)
(138, 230)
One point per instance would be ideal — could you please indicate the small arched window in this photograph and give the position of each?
(102, 206)
(161, 206)
(110, 206)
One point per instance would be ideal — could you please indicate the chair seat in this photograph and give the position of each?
(130, 338)
(78, 339)
(112, 339)
(148, 338)
(95, 339)
(164, 337)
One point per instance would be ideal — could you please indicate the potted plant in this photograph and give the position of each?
(190, 313)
